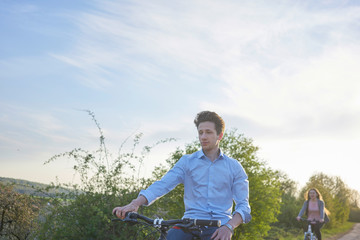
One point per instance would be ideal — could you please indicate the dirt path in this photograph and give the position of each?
(354, 234)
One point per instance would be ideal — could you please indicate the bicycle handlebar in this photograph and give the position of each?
(132, 217)
(307, 220)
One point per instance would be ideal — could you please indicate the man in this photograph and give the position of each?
(212, 181)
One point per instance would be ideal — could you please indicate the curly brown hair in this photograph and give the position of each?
(207, 116)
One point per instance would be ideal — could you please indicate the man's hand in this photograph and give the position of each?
(222, 233)
(120, 211)
(131, 207)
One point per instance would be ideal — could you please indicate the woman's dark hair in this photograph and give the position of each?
(207, 116)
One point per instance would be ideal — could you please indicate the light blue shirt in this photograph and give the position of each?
(210, 188)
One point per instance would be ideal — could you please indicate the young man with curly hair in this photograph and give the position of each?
(212, 182)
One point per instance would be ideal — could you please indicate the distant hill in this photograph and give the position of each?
(29, 187)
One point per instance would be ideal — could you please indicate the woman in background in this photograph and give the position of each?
(314, 208)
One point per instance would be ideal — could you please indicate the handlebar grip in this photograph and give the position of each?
(210, 223)
(132, 215)
(126, 214)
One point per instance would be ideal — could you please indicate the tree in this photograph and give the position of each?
(354, 198)
(336, 196)
(106, 182)
(264, 184)
(354, 215)
(18, 214)
(341, 201)
(289, 204)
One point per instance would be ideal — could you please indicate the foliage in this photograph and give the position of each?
(106, 182)
(290, 205)
(263, 183)
(335, 194)
(18, 213)
(337, 231)
(296, 234)
(354, 199)
(84, 217)
(354, 215)
(277, 233)
(84, 213)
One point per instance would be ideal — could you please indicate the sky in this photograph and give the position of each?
(283, 73)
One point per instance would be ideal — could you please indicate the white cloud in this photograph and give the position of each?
(34, 129)
(285, 71)
(292, 84)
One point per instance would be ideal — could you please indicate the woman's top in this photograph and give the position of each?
(312, 210)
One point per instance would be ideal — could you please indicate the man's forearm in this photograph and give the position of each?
(236, 220)
(139, 201)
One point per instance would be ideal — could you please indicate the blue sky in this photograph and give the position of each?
(284, 73)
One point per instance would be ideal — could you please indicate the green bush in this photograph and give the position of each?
(107, 182)
(354, 215)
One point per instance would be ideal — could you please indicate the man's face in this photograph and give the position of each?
(208, 137)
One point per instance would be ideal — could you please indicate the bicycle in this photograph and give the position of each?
(309, 234)
(162, 226)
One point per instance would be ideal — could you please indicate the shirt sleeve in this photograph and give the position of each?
(303, 209)
(241, 194)
(168, 182)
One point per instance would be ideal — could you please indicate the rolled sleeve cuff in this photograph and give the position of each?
(149, 197)
(246, 217)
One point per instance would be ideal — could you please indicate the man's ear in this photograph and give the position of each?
(220, 136)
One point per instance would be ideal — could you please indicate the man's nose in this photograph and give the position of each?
(203, 135)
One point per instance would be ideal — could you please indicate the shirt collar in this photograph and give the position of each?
(201, 154)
